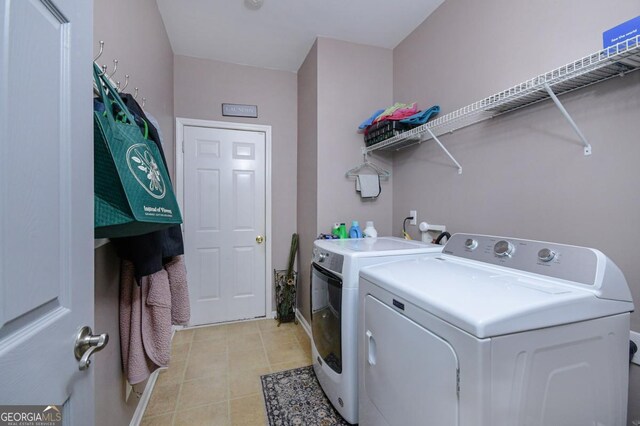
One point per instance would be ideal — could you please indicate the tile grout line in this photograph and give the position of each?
(264, 350)
(175, 412)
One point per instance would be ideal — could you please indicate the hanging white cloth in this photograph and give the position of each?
(368, 185)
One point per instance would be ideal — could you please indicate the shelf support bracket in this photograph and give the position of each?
(444, 149)
(587, 146)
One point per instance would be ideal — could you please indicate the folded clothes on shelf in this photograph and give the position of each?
(422, 116)
(397, 111)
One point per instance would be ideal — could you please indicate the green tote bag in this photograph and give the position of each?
(132, 190)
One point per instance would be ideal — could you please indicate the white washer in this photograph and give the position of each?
(334, 309)
(495, 332)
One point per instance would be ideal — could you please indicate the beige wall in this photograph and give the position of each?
(201, 86)
(524, 173)
(353, 81)
(134, 34)
(339, 85)
(307, 208)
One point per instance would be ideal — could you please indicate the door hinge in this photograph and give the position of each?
(458, 382)
(182, 146)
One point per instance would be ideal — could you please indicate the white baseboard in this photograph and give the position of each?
(303, 322)
(148, 389)
(144, 399)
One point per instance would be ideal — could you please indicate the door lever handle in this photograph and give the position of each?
(371, 350)
(87, 344)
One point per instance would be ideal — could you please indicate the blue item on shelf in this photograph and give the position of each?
(620, 33)
(422, 116)
(369, 121)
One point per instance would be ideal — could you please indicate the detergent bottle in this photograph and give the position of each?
(354, 231)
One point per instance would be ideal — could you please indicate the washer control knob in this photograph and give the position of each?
(546, 255)
(503, 248)
(471, 244)
(322, 257)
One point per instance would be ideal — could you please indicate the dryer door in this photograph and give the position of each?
(410, 374)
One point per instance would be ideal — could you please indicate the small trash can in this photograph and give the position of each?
(285, 295)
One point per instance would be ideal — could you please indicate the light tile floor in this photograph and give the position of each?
(214, 374)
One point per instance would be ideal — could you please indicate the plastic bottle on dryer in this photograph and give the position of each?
(336, 230)
(342, 231)
(369, 230)
(354, 231)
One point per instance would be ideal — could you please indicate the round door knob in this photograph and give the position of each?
(259, 239)
(546, 255)
(503, 248)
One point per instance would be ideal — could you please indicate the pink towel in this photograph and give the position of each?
(397, 111)
(145, 323)
(156, 318)
(180, 308)
(403, 113)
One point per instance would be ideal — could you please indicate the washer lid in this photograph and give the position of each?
(488, 301)
(381, 246)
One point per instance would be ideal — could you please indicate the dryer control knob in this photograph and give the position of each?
(471, 244)
(546, 255)
(503, 248)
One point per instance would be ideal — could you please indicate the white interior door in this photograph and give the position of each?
(224, 210)
(46, 203)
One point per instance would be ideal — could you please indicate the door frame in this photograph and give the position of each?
(181, 122)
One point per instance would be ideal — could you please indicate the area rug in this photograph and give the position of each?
(294, 397)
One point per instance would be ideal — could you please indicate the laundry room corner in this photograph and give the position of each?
(338, 84)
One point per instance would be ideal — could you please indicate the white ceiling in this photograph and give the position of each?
(280, 34)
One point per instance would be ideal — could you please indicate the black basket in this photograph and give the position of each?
(383, 130)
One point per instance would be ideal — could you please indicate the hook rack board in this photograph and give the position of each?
(110, 75)
(602, 65)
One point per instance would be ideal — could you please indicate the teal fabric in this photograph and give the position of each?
(369, 121)
(422, 116)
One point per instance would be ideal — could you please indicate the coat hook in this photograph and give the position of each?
(101, 50)
(104, 70)
(118, 86)
(144, 101)
(115, 68)
(126, 82)
(135, 93)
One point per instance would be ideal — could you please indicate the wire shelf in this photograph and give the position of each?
(604, 64)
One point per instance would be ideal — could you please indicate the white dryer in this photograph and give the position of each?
(495, 332)
(334, 309)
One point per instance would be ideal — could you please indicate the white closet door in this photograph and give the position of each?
(224, 210)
